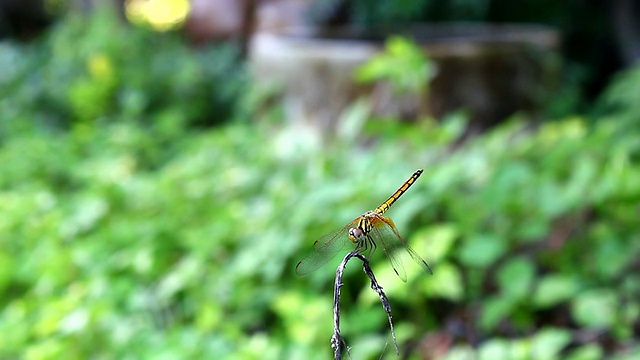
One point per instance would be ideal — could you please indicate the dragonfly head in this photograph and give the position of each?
(356, 234)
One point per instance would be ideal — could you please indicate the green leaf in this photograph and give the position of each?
(595, 308)
(435, 240)
(403, 64)
(446, 283)
(482, 250)
(515, 277)
(495, 349)
(586, 352)
(612, 254)
(553, 289)
(460, 352)
(495, 309)
(548, 343)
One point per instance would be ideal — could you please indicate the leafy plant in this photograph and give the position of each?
(403, 65)
(105, 255)
(138, 236)
(620, 99)
(96, 68)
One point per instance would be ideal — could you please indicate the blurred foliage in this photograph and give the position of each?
(136, 234)
(97, 69)
(105, 254)
(403, 65)
(589, 43)
(621, 99)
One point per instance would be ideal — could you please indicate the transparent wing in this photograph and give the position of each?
(325, 249)
(386, 235)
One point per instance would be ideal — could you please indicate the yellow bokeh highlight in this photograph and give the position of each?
(162, 15)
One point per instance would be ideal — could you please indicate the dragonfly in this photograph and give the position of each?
(366, 232)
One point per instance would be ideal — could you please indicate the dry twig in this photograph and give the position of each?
(337, 341)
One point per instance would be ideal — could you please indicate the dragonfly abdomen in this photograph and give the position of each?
(387, 204)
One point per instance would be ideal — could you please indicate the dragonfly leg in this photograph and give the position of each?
(367, 246)
(374, 246)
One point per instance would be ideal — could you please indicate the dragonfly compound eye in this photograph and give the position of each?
(355, 233)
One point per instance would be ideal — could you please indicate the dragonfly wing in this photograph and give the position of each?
(419, 260)
(384, 237)
(325, 249)
(395, 244)
(414, 255)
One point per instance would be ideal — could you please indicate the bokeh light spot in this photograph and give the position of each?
(161, 15)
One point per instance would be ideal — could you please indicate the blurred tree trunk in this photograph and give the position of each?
(627, 25)
(248, 25)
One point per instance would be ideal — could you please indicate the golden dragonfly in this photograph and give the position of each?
(367, 232)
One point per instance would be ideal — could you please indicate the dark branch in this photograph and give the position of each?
(383, 297)
(337, 341)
